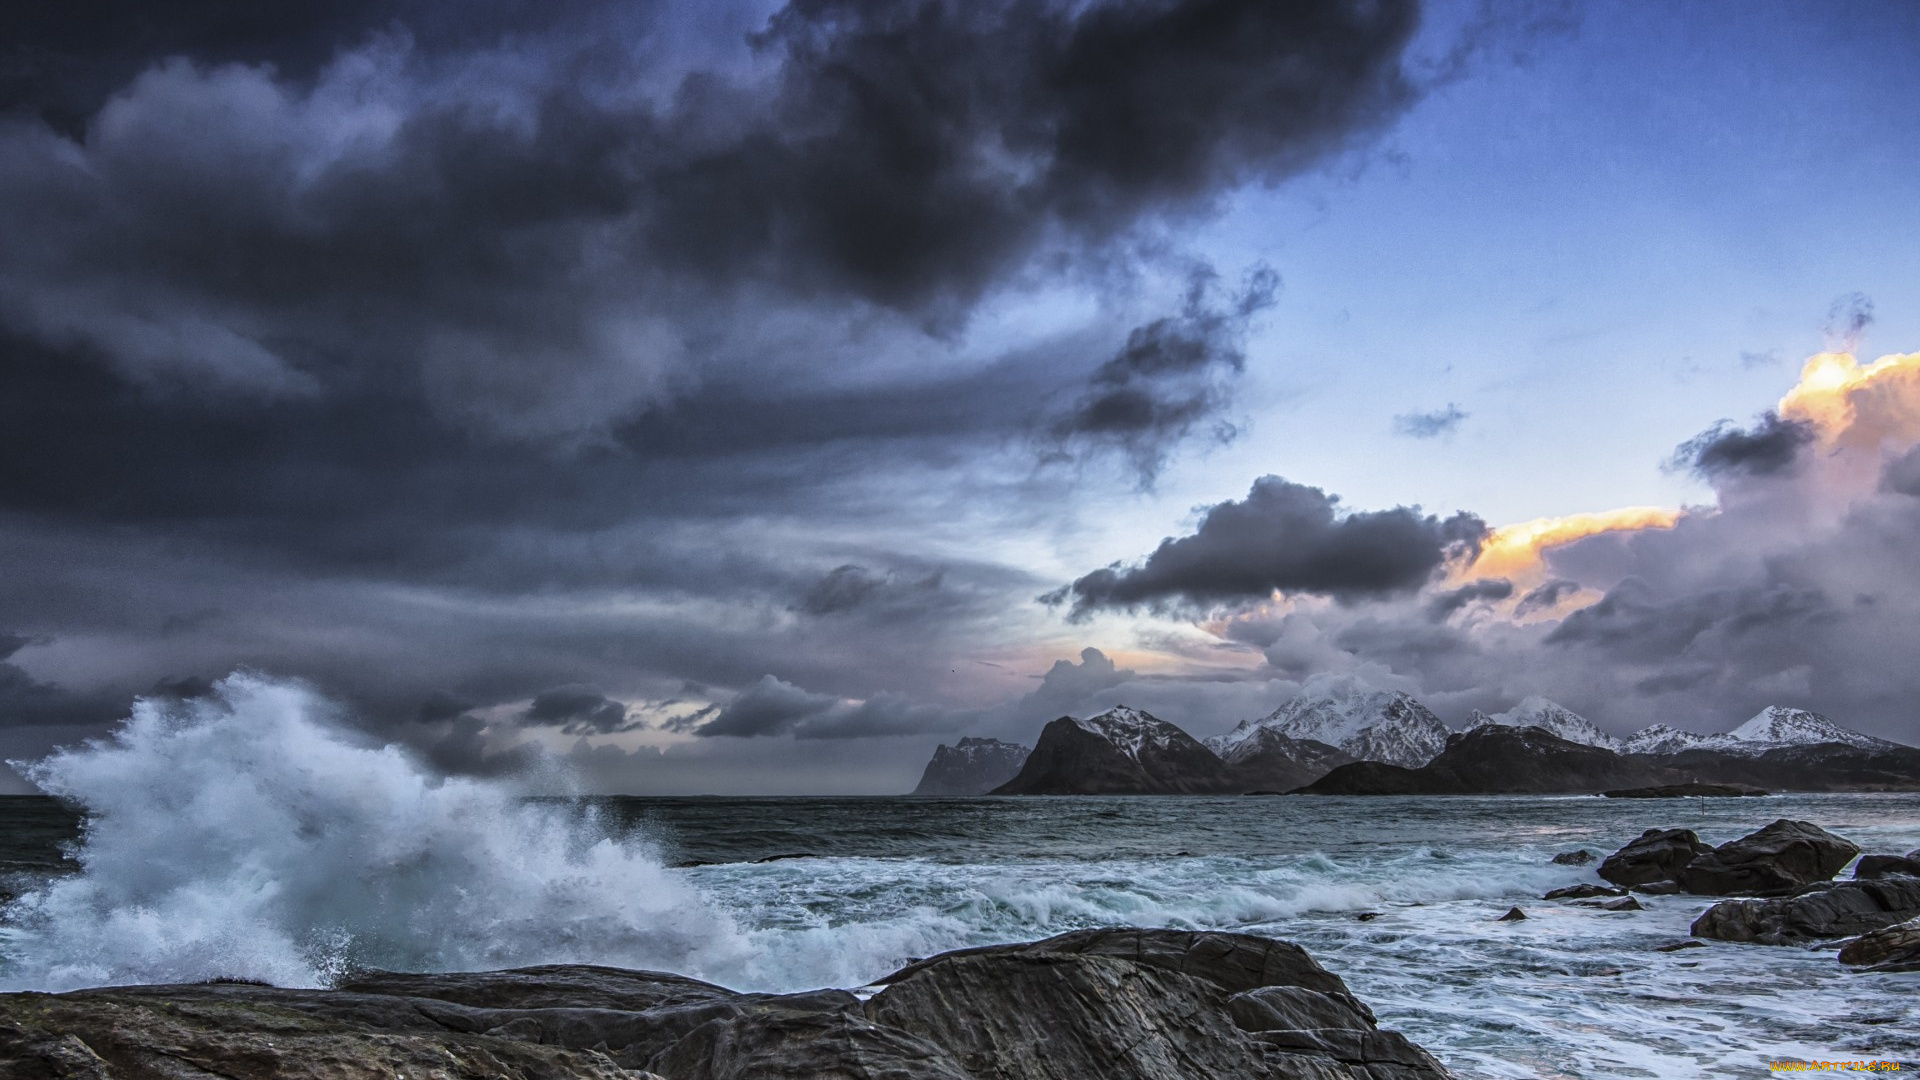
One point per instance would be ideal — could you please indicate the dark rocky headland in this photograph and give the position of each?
(1108, 1004)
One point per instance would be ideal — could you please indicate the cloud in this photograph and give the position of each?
(1847, 321)
(1545, 596)
(773, 706)
(1902, 474)
(578, 710)
(1172, 375)
(1446, 602)
(1771, 446)
(1283, 537)
(1430, 425)
(504, 215)
(28, 702)
(1067, 684)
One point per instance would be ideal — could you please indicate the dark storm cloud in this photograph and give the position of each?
(773, 706)
(1545, 596)
(492, 348)
(577, 710)
(769, 707)
(545, 245)
(1287, 537)
(1446, 602)
(1770, 447)
(896, 595)
(1430, 425)
(1172, 375)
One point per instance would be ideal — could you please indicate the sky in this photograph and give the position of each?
(746, 398)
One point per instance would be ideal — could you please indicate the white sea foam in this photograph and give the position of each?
(245, 836)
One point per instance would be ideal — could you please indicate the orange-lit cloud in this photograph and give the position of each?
(1832, 385)
(1513, 551)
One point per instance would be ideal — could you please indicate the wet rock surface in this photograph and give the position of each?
(1819, 912)
(1121, 1004)
(1885, 866)
(1583, 892)
(1784, 855)
(1656, 855)
(1895, 948)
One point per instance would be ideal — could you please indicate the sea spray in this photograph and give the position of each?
(246, 835)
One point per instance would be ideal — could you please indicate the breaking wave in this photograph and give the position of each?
(243, 835)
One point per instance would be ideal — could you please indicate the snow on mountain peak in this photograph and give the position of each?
(1772, 728)
(1777, 725)
(1369, 724)
(1556, 718)
(1130, 729)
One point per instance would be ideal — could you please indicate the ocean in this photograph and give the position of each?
(208, 856)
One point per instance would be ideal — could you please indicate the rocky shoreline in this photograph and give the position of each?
(1780, 879)
(1119, 1004)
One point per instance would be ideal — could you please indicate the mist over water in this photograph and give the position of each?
(248, 835)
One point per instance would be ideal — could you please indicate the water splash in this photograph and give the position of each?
(244, 835)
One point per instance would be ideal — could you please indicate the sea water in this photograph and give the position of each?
(249, 836)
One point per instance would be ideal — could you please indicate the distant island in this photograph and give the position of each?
(1364, 742)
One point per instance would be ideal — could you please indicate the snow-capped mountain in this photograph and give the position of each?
(1556, 718)
(1776, 726)
(1132, 731)
(1368, 724)
(1772, 728)
(1663, 739)
(1122, 751)
(974, 767)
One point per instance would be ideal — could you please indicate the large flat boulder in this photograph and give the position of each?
(1820, 912)
(1209, 1005)
(1783, 856)
(1656, 855)
(1123, 1004)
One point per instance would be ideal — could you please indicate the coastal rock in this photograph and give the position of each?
(1583, 892)
(1895, 948)
(1691, 790)
(1656, 855)
(1123, 1004)
(1784, 855)
(972, 767)
(1513, 914)
(1573, 858)
(1819, 912)
(1872, 867)
(1625, 903)
(1122, 751)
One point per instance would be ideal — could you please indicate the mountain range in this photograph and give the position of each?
(1357, 740)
